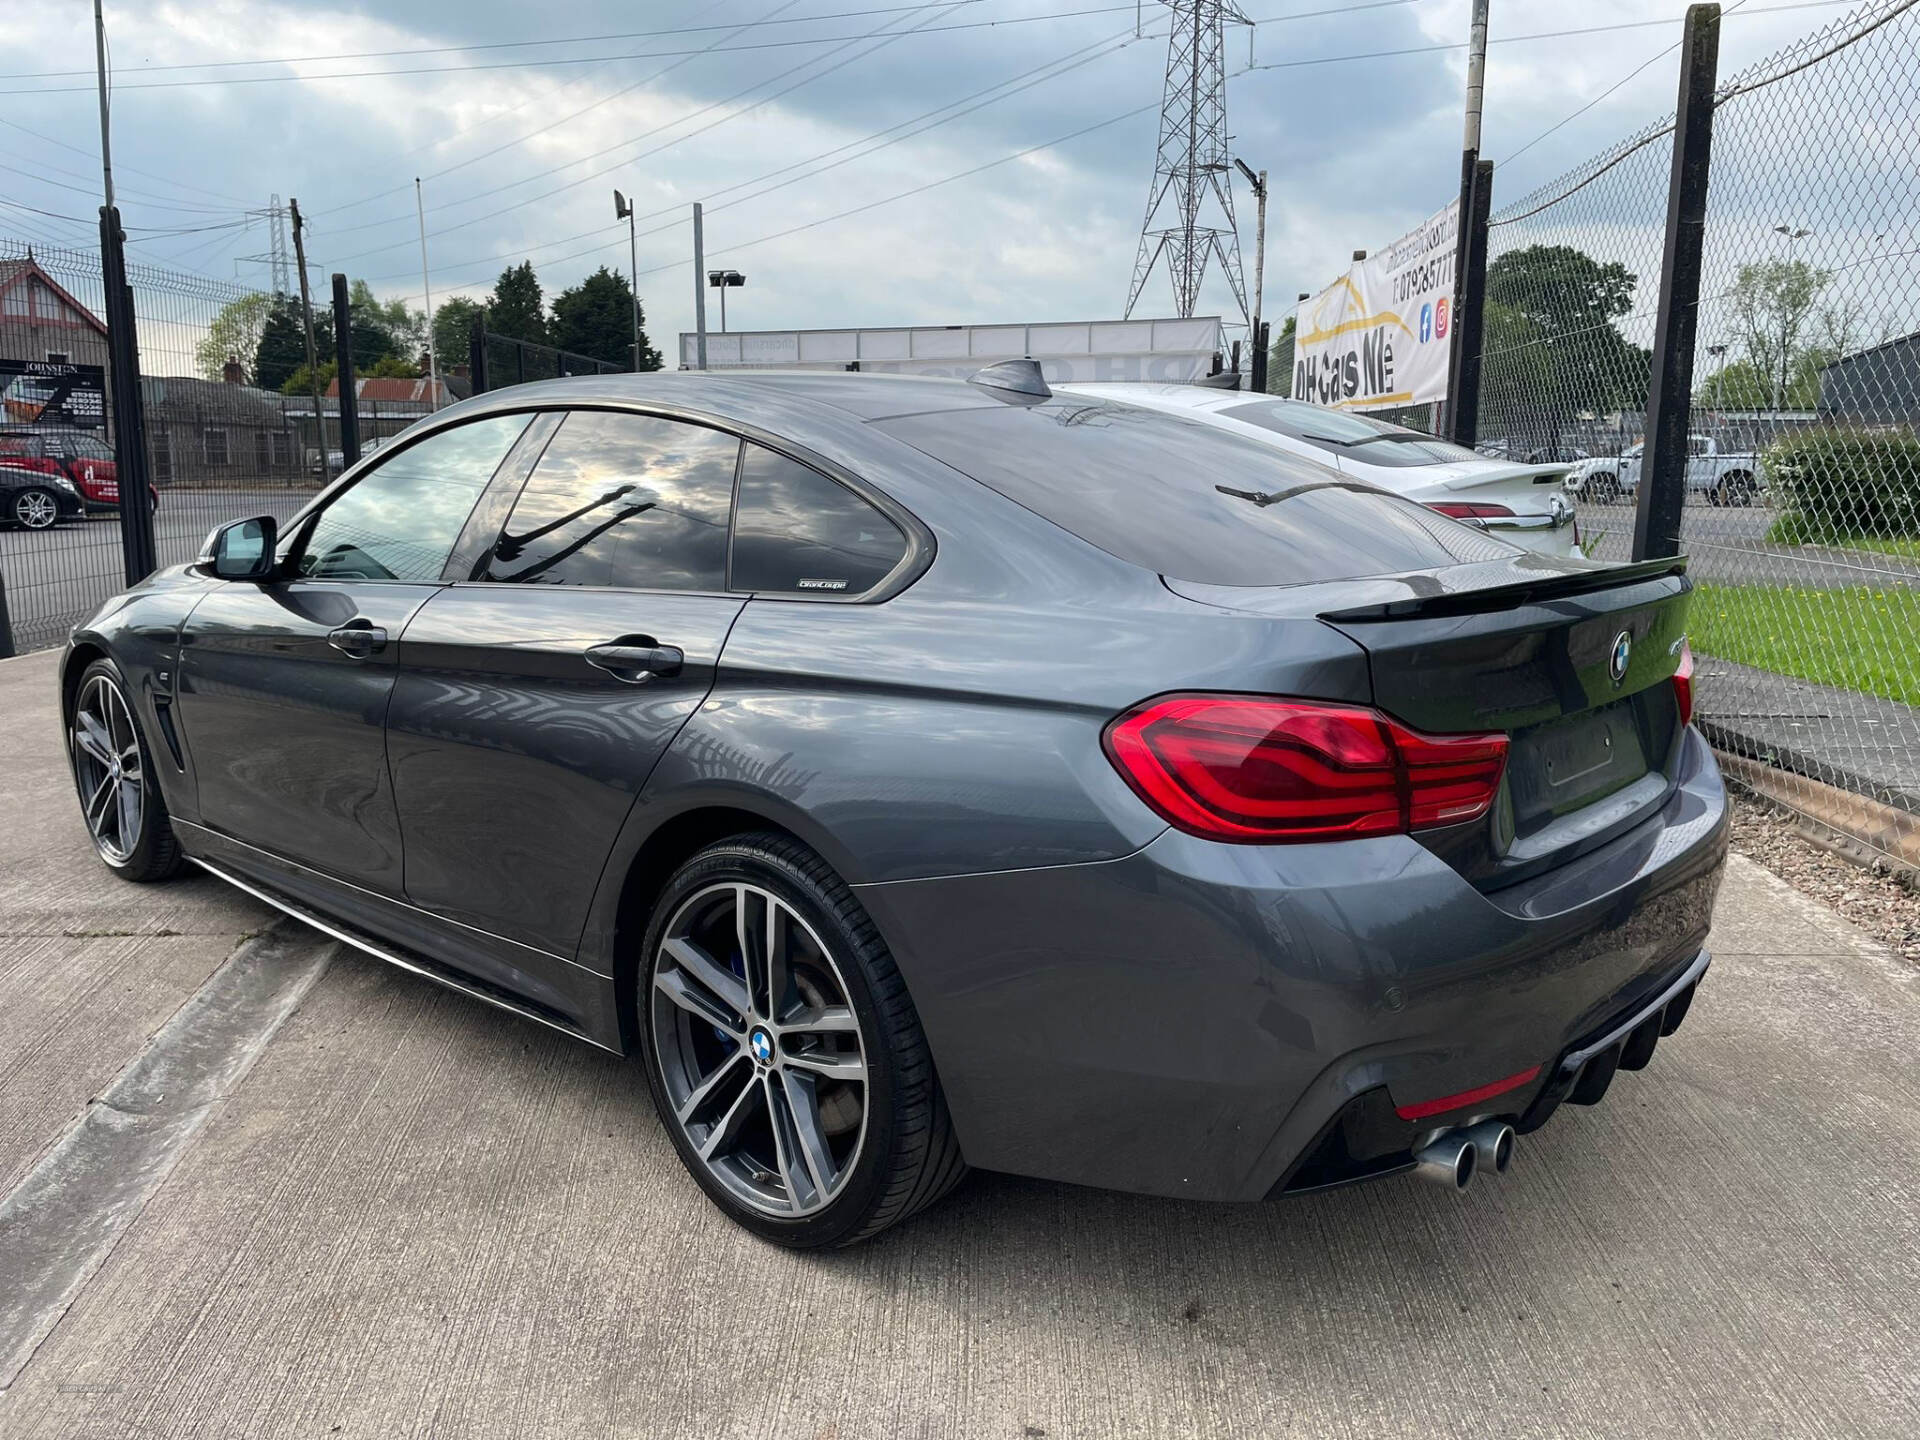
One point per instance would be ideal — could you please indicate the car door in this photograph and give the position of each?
(534, 699)
(283, 685)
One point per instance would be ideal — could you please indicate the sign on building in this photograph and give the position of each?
(1378, 336)
(46, 392)
(1097, 351)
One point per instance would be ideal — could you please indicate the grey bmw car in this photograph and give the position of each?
(919, 774)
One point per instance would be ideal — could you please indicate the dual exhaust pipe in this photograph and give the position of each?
(1458, 1155)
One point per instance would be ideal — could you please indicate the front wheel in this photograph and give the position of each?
(1604, 489)
(784, 1055)
(1737, 489)
(35, 509)
(113, 770)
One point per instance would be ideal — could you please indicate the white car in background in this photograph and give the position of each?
(1522, 503)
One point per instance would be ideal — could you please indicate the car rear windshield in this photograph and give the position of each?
(1341, 432)
(1188, 500)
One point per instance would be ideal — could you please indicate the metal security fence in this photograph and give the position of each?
(1801, 515)
(223, 441)
(495, 361)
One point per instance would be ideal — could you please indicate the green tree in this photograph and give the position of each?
(233, 335)
(401, 329)
(518, 309)
(1280, 361)
(298, 384)
(1549, 326)
(1738, 385)
(595, 318)
(393, 367)
(1773, 314)
(453, 329)
(282, 347)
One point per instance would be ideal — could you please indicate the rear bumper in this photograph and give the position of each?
(1193, 1019)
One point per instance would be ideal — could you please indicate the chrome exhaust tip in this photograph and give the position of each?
(1449, 1161)
(1493, 1141)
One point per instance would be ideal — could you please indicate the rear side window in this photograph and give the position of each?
(634, 501)
(399, 521)
(1188, 500)
(797, 531)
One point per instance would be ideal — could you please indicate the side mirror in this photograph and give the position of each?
(241, 549)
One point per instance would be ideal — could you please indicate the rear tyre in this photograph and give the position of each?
(34, 509)
(1736, 488)
(785, 1058)
(113, 772)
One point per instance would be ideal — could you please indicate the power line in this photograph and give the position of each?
(885, 39)
(739, 29)
(1013, 85)
(487, 45)
(580, 60)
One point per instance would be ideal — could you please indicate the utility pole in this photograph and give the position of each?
(1259, 183)
(699, 292)
(106, 139)
(426, 287)
(623, 210)
(306, 325)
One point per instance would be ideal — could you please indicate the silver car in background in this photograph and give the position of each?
(1522, 503)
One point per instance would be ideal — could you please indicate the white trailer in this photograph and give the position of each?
(1095, 351)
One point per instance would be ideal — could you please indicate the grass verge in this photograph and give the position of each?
(1860, 637)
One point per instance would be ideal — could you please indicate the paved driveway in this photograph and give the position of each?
(415, 1216)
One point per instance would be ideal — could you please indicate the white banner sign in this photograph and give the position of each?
(1378, 336)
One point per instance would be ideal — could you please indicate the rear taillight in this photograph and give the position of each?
(1683, 683)
(1460, 510)
(1258, 770)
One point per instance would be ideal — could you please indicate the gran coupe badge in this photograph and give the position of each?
(1622, 652)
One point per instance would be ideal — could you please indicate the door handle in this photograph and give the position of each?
(358, 638)
(636, 661)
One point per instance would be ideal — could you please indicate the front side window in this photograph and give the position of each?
(634, 501)
(799, 532)
(400, 520)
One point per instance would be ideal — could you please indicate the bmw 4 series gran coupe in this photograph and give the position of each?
(917, 774)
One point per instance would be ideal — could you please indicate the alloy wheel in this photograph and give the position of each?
(36, 509)
(106, 754)
(759, 1048)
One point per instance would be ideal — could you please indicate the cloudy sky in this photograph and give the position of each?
(851, 103)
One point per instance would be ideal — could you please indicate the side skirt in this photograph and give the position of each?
(411, 961)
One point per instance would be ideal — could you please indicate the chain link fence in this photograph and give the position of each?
(221, 446)
(1802, 516)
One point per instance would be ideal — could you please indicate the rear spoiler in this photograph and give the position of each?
(1523, 592)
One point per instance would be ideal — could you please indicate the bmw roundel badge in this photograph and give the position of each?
(761, 1043)
(1622, 652)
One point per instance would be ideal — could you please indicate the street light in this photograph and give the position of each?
(1259, 184)
(623, 210)
(721, 280)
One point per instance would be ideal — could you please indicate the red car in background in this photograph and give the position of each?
(83, 457)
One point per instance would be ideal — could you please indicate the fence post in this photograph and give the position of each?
(477, 353)
(129, 410)
(7, 651)
(343, 361)
(1260, 354)
(1469, 307)
(1663, 472)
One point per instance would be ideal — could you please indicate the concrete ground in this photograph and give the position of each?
(408, 1214)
